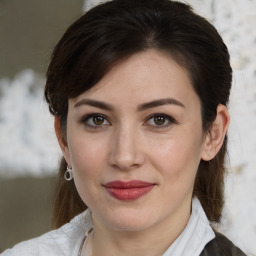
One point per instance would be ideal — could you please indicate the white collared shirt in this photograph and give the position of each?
(67, 240)
(195, 236)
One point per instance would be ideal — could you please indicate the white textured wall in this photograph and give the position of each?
(27, 141)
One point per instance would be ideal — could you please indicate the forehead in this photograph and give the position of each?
(144, 76)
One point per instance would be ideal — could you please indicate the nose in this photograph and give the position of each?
(126, 153)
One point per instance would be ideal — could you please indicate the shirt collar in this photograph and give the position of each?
(192, 240)
(195, 236)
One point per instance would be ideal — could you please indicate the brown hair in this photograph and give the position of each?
(113, 31)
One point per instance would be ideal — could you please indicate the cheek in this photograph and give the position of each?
(86, 159)
(177, 159)
(81, 152)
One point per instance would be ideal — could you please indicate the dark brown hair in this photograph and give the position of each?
(113, 31)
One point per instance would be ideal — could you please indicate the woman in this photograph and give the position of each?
(139, 90)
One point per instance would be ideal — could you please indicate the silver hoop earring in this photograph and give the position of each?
(68, 175)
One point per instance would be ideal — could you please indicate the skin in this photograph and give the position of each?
(129, 144)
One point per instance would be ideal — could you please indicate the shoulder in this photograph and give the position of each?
(61, 241)
(221, 245)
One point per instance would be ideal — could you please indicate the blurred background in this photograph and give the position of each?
(29, 153)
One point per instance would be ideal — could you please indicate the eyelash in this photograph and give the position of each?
(167, 118)
(86, 118)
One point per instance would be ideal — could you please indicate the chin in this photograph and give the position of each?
(128, 221)
(129, 226)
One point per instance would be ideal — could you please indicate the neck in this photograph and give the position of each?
(130, 243)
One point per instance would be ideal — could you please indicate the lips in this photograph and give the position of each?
(130, 190)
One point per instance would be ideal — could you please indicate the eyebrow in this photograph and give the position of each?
(142, 107)
(160, 102)
(95, 103)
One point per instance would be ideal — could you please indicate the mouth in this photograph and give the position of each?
(128, 190)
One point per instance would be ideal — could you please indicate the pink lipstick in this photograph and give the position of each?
(128, 190)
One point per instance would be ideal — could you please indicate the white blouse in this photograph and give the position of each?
(70, 238)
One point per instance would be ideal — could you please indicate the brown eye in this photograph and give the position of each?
(98, 120)
(159, 120)
(95, 121)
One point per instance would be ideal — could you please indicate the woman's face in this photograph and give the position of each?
(135, 141)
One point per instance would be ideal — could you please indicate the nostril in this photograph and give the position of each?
(128, 162)
(125, 167)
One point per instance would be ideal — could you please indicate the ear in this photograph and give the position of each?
(61, 139)
(215, 137)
